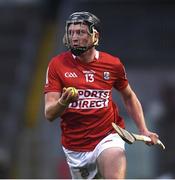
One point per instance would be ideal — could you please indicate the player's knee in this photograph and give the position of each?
(114, 166)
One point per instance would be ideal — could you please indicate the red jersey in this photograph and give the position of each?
(87, 121)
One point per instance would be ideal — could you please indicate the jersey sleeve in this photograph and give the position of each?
(53, 82)
(121, 78)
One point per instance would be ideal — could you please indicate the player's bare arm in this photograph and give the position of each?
(53, 108)
(135, 110)
(56, 103)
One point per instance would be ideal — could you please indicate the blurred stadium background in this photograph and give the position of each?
(140, 32)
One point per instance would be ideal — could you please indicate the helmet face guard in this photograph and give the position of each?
(93, 24)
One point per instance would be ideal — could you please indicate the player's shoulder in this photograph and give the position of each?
(60, 57)
(109, 57)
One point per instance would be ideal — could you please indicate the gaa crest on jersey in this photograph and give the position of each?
(106, 75)
(70, 75)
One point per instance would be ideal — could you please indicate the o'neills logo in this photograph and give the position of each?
(91, 99)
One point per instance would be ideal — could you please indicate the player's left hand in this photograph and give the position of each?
(153, 136)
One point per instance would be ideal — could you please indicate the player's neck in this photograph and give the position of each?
(88, 56)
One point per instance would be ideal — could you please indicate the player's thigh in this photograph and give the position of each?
(112, 163)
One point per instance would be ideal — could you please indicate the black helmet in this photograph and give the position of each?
(82, 17)
(86, 17)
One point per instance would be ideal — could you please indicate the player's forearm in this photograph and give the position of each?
(135, 110)
(54, 110)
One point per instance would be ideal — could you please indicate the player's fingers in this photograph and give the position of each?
(69, 95)
(65, 95)
(64, 89)
(154, 138)
(76, 95)
(66, 92)
(149, 143)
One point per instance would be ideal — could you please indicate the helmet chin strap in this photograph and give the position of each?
(80, 50)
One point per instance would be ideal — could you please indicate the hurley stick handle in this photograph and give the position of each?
(147, 139)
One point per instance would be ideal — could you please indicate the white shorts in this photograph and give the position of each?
(83, 165)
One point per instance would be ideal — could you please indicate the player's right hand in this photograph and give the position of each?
(69, 95)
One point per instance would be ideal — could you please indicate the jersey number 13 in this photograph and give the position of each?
(89, 77)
